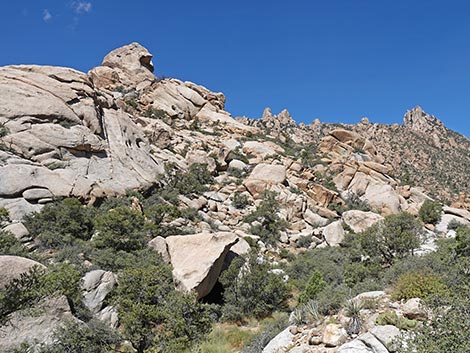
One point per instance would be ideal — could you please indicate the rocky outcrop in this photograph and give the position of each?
(12, 267)
(37, 325)
(197, 259)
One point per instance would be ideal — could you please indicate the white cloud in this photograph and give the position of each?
(46, 15)
(81, 6)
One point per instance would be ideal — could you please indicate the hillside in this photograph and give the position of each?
(153, 216)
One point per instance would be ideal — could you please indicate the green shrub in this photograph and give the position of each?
(36, 284)
(78, 337)
(121, 228)
(255, 292)
(61, 223)
(154, 315)
(462, 238)
(240, 200)
(391, 318)
(9, 245)
(315, 285)
(155, 113)
(393, 238)
(271, 330)
(304, 241)
(194, 181)
(329, 262)
(430, 212)
(417, 284)
(446, 332)
(4, 215)
(267, 215)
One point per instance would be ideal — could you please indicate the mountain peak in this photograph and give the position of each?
(418, 120)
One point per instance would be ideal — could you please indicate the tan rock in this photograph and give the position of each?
(197, 259)
(334, 335)
(263, 177)
(359, 221)
(11, 267)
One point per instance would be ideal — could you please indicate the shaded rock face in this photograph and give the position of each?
(37, 326)
(197, 259)
(11, 267)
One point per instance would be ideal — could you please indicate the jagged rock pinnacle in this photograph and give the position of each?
(418, 120)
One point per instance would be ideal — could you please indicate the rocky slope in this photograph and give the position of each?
(118, 128)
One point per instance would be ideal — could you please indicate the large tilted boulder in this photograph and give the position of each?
(11, 267)
(263, 177)
(35, 326)
(359, 221)
(197, 259)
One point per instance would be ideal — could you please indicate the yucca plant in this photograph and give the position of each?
(353, 311)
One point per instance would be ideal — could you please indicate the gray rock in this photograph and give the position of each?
(36, 326)
(414, 310)
(334, 233)
(359, 221)
(159, 245)
(280, 342)
(386, 335)
(18, 230)
(96, 286)
(365, 343)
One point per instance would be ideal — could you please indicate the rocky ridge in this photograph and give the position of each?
(118, 127)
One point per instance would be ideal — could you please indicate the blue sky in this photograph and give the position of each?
(337, 60)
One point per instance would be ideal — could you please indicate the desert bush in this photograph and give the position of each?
(315, 285)
(61, 223)
(393, 238)
(329, 262)
(270, 224)
(353, 311)
(36, 284)
(194, 181)
(240, 200)
(153, 314)
(444, 332)
(391, 318)
(270, 330)
(4, 215)
(250, 290)
(304, 241)
(78, 337)
(9, 245)
(121, 228)
(417, 284)
(430, 212)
